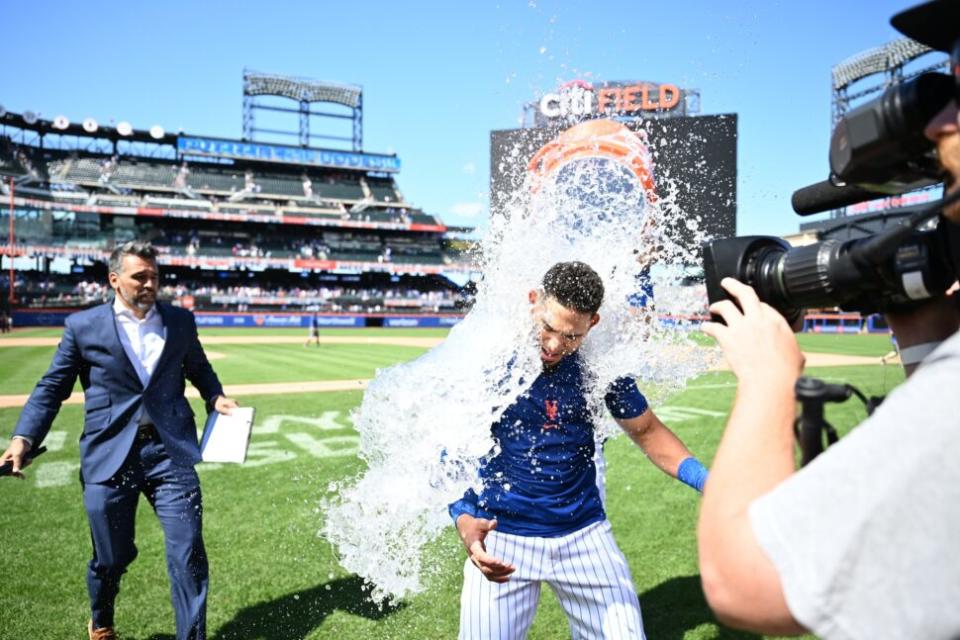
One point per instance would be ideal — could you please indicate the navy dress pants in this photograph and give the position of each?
(174, 493)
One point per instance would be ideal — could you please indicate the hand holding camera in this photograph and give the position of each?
(751, 331)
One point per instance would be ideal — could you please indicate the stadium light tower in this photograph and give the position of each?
(304, 92)
(888, 60)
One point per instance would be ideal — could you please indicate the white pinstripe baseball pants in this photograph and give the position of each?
(585, 569)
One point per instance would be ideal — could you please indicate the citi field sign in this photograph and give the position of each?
(580, 99)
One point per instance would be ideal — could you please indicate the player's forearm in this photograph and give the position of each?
(661, 445)
(664, 449)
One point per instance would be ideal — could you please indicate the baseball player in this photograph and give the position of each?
(539, 517)
(314, 331)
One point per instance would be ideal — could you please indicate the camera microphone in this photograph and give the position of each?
(825, 196)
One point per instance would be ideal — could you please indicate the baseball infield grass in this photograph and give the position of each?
(273, 578)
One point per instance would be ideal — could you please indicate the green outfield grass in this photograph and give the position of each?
(21, 367)
(868, 344)
(273, 578)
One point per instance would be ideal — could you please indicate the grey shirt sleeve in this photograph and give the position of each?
(866, 537)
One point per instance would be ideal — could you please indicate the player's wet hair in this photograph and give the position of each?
(142, 250)
(575, 286)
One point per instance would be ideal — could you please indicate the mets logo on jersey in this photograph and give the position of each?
(553, 409)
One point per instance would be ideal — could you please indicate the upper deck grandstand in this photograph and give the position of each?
(239, 224)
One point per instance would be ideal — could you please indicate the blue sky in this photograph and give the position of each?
(439, 76)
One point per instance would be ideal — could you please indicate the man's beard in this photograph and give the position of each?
(142, 305)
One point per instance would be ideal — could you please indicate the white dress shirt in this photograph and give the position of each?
(143, 342)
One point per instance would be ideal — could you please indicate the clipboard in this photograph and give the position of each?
(226, 438)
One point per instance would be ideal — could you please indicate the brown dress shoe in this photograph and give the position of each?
(103, 633)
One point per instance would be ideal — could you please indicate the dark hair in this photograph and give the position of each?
(575, 286)
(132, 248)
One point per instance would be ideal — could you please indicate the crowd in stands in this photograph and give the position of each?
(39, 291)
(333, 299)
(85, 240)
(56, 292)
(332, 245)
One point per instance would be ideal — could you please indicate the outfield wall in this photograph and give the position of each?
(813, 322)
(56, 318)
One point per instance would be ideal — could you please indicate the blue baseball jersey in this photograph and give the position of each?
(540, 479)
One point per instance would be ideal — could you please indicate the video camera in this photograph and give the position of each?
(876, 150)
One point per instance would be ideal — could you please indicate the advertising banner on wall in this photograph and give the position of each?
(41, 318)
(421, 321)
(217, 147)
(274, 320)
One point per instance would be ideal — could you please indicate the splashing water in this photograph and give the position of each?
(425, 425)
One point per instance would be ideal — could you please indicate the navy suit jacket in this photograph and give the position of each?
(91, 349)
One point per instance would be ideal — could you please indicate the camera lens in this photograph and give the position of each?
(815, 274)
(790, 279)
(764, 272)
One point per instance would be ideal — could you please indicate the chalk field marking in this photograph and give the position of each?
(327, 421)
(719, 385)
(55, 440)
(55, 474)
(262, 453)
(275, 448)
(332, 447)
(679, 414)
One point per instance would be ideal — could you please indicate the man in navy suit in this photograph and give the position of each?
(139, 434)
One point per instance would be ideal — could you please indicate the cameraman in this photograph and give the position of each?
(864, 541)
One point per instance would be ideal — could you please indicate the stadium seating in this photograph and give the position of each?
(139, 175)
(9, 165)
(311, 238)
(339, 190)
(280, 186)
(212, 181)
(383, 190)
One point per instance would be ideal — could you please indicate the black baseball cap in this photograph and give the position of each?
(935, 24)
